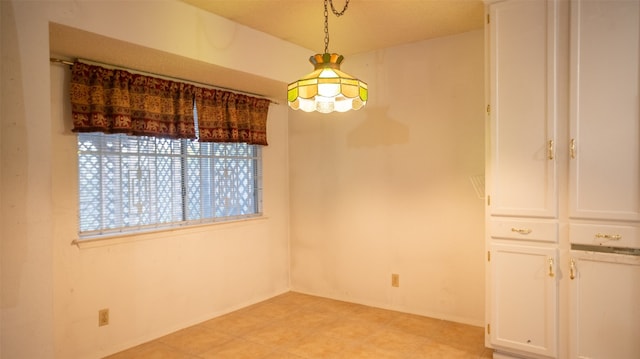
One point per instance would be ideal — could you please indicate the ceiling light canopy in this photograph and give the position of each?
(327, 88)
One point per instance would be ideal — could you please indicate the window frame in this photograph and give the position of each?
(184, 156)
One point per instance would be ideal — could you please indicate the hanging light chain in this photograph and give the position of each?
(326, 20)
(339, 13)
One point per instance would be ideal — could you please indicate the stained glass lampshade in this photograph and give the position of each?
(327, 89)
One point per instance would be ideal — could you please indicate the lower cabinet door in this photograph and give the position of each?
(605, 305)
(524, 299)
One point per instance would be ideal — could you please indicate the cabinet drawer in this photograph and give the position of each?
(523, 230)
(605, 235)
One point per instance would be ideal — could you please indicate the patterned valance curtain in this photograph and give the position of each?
(117, 101)
(225, 116)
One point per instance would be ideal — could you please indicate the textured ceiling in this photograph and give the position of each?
(366, 25)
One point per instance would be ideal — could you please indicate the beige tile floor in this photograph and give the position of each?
(300, 326)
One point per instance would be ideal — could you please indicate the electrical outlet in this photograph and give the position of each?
(395, 280)
(103, 317)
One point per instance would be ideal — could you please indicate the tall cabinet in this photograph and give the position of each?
(604, 181)
(522, 177)
(563, 178)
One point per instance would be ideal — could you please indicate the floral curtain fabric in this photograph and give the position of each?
(117, 101)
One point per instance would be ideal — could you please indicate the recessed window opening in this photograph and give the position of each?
(154, 153)
(134, 183)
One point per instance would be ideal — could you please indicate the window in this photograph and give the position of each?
(133, 183)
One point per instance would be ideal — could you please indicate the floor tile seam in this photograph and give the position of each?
(323, 323)
(437, 332)
(416, 352)
(259, 325)
(276, 324)
(464, 346)
(212, 324)
(422, 340)
(273, 319)
(359, 339)
(413, 354)
(459, 343)
(410, 355)
(271, 350)
(252, 333)
(234, 335)
(299, 304)
(181, 349)
(351, 344)
(281, 303)
(271, 316)
(288, 317)
(356, 318)
(273, 347)
(454, 345)
(328, 311)
(340, 305)
(316, 330)
(441, 322)
(389, 326)
(135, 349)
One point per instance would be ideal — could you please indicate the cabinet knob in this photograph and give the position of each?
(550, 150)
(612, 237)
(572, 269)
(572, 148)
(551, 274)
(520, 230)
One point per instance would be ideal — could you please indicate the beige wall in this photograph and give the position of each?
(382, 190)
(153, 284)
(160, 282)
(387, 189)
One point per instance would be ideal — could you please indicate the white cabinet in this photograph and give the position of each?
(605, 125)
(524, 305)
(563, 178)
(604, 181)
(522, 176)
(605, 305)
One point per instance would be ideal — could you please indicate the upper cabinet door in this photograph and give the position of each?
(605, 127)
(521, 170)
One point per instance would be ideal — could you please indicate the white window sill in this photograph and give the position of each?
(129, 237)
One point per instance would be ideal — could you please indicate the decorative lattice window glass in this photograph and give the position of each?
(136, 183)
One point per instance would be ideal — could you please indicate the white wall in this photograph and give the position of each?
(161, 282)
(387, 189)
(153, 284)
(382, 190)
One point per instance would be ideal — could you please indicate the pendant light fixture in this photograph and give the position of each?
(327, 88)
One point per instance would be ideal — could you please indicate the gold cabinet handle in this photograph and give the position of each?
(550, 149)
(572, 148)
(520, 230)
(551, 267)
(612, 237)
(572, 269)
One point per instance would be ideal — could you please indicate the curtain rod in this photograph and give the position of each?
(90, 62)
